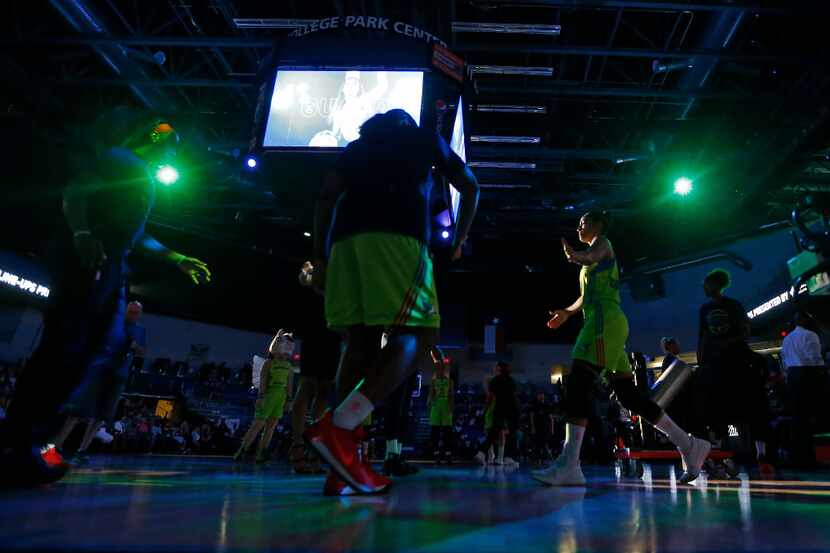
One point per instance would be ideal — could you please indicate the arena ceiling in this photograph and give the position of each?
(604, 103)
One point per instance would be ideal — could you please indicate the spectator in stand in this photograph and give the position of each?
(806, 376)
(671, 348)
(541, 428)
(136, 334)
(155, 435)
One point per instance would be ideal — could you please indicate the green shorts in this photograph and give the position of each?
(602, 339)
(273, 405)
(440, 413)
(381, 279)
(488, 415)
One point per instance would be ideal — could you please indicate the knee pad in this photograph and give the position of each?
(636, 400)
(579, 385)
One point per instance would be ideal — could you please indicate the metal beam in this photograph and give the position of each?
(655, 5)
(518, 91)
(203, 83)
(239, 42)
(555, 49)
(83, 19)
(479, 152)
(169, 41)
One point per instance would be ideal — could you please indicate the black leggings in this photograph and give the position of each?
(579, 389)
(503, 420)
(439, 433)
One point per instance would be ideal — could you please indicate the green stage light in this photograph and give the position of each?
(167, 175)
(682, 186)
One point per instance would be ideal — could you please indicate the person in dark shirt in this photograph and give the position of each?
(729, 386)
(105, 211)
(96, 399)
(724, 326)
(671, 349)
(372, 235)
(319, 358)
(505, 418)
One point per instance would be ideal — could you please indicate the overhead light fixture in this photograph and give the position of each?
(270, 23)
(506, 28)
(506, 139)
(511, 109)
(307, 234)
(683, 186)
(167, 175)
(527, 165)
(505, 186)
(658, 66)
(512, 70)
(621, 160)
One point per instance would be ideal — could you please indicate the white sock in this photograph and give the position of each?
(760, 448)
(391, 448)
(353, 411)
(490, 453)
(676, 435)
(398, 447)
(573, 444)
(501, 453)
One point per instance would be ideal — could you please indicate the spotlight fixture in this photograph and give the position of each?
(683, 186)
(167, 175)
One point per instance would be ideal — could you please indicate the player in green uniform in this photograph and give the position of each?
(600, 351)
(440, 404)
(372, 258)
(274, 386)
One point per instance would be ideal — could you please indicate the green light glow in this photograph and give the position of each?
(167, 175)
(682, 186)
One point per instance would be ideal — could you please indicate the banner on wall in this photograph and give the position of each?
(257, 364)
(448, 63)
(368, 23)
(198, 353)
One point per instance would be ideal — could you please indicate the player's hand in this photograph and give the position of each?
(307, 274)
(558, 318)
(197, 270)
(90, 250)
(456, 252)
(568, 249)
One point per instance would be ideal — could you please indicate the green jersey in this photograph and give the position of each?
(278, 374)
(441, 387)
(600, 284)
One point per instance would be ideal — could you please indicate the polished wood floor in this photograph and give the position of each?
(211, 504)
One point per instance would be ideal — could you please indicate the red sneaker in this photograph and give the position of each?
(51, 457)
(338, 448)
(335, 486)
